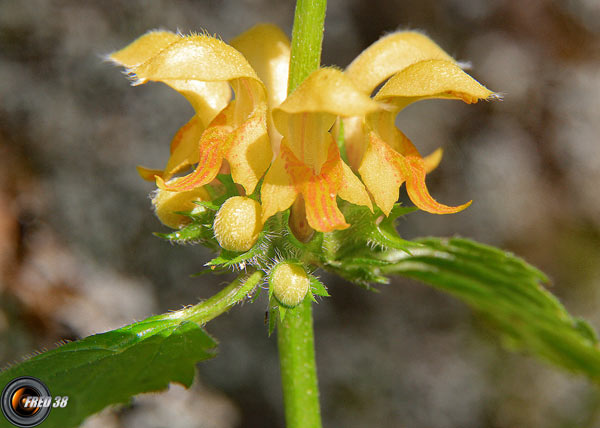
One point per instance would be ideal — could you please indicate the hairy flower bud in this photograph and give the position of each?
(289, 283)
(238, 223)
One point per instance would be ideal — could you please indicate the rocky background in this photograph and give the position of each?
(77, 255)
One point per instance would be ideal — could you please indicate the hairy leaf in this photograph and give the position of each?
(111, 367)
(507, 291)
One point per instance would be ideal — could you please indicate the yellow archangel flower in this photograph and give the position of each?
(204, 69)
(417, 69)
(309, 164)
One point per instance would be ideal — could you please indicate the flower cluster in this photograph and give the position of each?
(296, 152)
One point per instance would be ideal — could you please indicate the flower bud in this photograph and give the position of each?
(238, 223)
(167, 203)
(289, 283)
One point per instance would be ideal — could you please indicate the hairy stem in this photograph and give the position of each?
(307, 38)
(295, 337)
(224, 299)
(295, 340)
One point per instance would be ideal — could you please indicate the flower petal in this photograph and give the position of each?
(389, 55)
(184, 147)
(322, 211)
(413, 170)
(143, 48)
(318, 190)
(432, 79)
(308, 137)
(383, 171)
(432, 160)
(214, 144)
(199, 67)
(383, 123)
(379, 173)
(250, 153)
(351, 189)
(148, 174)
(277, 192)
(326, 90)
(197, 57)
(267, 49)
(355, 139)
(298, 223)
(306, 116)
(167, 204)
(207, 98)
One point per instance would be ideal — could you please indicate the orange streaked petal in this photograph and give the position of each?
(318, 190)
(322, 211)
(383, 171)
(214, 143)
(250, 153)
(383, 123)
(184, 147)
(277, 192)
(389, 55)
(147, 173)
(413, 170)
(380, 174)
(306, 135)
(432, 160)
(351, 188)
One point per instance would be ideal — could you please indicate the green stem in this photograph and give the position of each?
(295, 337)
(295, 340)
(224, 299)
(307, 38)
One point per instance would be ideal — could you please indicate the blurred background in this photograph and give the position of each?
(77, 255)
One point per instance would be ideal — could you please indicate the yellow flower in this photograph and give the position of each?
(309, 164)
(385, 158)
(202, 69)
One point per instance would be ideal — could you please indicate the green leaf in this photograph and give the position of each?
(111, 367)
(508, 292)
(227, 259)
(210, 205)
(194, 232)
(317, 287)
(372, 229)
(257, 256)
(230, 187)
